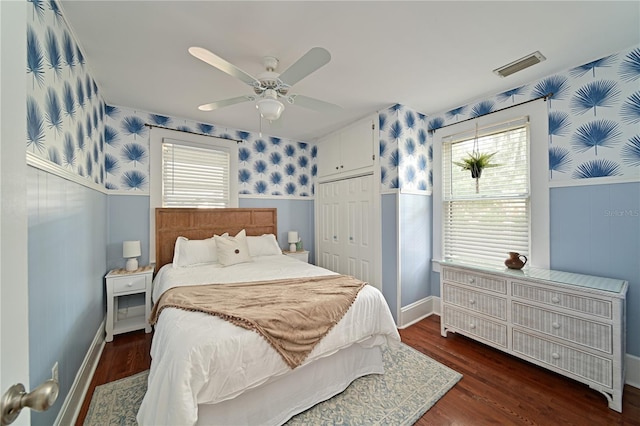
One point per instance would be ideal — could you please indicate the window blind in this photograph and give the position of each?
(194, 176)
(483, 223)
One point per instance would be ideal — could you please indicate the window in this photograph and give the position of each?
(194, 177)
(486, 217)
(189, 170)
(510, 211)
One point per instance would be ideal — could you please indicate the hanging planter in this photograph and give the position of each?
(476, 161)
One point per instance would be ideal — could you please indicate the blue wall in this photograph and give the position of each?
(128, 219)
(293, 215)
(596, 230)
(66, 258)
(390, 240)
(415, 237)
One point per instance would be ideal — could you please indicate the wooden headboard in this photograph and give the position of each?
(198, 224)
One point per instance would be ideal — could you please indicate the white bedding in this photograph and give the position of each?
(201, 359)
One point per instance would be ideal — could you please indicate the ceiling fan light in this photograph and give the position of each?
(270, 109)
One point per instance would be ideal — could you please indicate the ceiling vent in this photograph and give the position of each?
(520, 64)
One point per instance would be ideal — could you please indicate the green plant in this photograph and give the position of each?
(476, 162)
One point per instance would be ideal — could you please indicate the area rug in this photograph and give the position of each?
(412, 384)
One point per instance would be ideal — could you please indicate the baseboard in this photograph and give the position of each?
(633, 371)
(419, 310)
(73, 402)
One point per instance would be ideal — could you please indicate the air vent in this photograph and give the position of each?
(520, 64)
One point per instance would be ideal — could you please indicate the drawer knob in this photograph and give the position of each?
(555, 299)
(472, 326)
(473, 302)
(555, 325)
(130, 285)
(472, 280)
(555, 355)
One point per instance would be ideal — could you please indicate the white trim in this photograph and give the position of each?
(72, 404)
(539, 159)
(47, 166)
(277, 197)
(399, 320)
(419, 310)
(416, 191)
(591, 181)
(435, 265)
(390, 191)
(633, 370)
(123, 192)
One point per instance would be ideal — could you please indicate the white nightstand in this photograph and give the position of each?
(123, 283)
(300, 255)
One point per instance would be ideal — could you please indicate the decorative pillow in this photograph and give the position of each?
(192, 252)
(233, 250)
(264, 245)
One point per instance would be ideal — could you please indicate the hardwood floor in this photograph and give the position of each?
(497, 389)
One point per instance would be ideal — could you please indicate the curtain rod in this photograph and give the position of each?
(193, 133)
(545, 97)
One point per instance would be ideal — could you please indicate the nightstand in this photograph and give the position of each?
(300, 255)
(122, 283)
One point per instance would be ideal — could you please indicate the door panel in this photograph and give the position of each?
(346, 227)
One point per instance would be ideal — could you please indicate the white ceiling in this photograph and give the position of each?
(429, 55)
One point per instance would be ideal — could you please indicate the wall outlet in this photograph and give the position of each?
(54, 372)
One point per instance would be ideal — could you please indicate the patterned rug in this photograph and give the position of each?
(412, 384)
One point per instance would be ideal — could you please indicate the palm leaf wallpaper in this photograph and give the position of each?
(593, 118)
(593, 125)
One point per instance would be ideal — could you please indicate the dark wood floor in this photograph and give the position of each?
(496, 389)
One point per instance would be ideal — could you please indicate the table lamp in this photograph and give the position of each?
(293, 239)
(131, 251)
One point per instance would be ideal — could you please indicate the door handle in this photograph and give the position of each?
(39, 399)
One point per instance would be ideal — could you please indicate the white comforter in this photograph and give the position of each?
(199, 359)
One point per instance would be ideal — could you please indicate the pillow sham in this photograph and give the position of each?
(264, 245)
(232, 250)
(192, 252)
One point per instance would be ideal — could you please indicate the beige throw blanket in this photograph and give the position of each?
(292, 315)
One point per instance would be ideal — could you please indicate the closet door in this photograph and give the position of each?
(345, 227)
(359, 232)
(330, 238)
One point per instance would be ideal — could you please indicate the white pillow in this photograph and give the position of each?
(233, 250)
(264, 245)
(192, 252)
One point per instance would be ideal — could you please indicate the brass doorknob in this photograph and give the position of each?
(39, 399)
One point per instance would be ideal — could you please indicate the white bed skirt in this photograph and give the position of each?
(277, 401)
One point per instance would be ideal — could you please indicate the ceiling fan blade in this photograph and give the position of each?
(312, 103)
(308, 63)
(223, 65)
(225, 102)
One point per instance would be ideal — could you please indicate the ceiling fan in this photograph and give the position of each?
(269, 87)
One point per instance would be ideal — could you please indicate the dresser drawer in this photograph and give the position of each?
(127, 284)
(587, 305)
(474, 301)
(587, 333)
(495, 284)
(582, 364)
(485, 329)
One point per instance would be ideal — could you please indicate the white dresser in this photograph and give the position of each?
(570, 323)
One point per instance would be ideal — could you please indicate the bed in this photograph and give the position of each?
(206, 370)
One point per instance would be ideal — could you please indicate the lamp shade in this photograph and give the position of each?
(270, 109)
(131, 249)
(292, 237)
